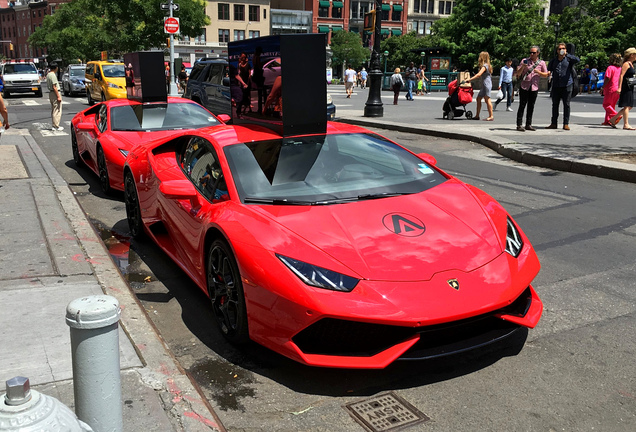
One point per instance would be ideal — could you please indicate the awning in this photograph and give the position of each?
(397, 8)
(384, 31)
(323, 3)
(323, 29)
(338, 4)
(386, 7)
(336, 28)
(396, 32)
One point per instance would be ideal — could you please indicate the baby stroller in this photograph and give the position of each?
(459, 96)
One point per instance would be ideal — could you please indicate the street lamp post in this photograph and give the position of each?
(386, 56)
(373, 107)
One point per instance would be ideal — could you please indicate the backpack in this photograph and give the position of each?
(575, 82)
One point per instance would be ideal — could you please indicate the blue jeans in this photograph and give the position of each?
(411, 85)
(506, 89)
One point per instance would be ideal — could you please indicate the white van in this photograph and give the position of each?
(20, 78)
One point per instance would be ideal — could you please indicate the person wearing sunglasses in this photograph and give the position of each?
(529, 72)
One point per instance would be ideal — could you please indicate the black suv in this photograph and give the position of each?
(209, 85)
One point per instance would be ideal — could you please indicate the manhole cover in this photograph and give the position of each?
(385, 412)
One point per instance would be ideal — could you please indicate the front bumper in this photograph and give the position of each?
(22, 87)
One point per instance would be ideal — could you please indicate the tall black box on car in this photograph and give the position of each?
(145, 76)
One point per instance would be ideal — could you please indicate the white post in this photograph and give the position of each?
(94, 323)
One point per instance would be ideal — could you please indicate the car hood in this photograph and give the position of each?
(126, 140)
(405, 238)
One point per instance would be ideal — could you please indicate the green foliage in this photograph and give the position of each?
(82, 29)
(402, 50)
(347, 49)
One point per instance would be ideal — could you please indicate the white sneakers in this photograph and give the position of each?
(59, 128)
(509, 109)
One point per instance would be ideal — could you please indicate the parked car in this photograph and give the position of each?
(73, 80)
(105, 80)
(102, 135)
(20, 78)
(340, 249)
(209, 85)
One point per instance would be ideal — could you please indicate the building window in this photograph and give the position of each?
(239, 35)
(445, 7)
(396, 14)
(424, 6)
(323, 9)
(336, 9)
(254, 13)
(239, 12)
(254, 34)
(224, 11)
(224, 35)
(264, 13)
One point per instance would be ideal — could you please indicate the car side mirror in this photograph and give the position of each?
(427, 158)
(86, 126)
(224, 118)
(226, 81)
(178, 189)
(98, 75)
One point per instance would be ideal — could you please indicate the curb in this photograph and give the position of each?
(184, 402)
(520, 153)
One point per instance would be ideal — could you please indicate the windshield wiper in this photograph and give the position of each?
(277, 201)
(382, 195)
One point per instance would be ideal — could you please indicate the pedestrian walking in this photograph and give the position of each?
(486, 85)
(505, 85)
(626, 89)
(363, 77)
(396, 83)
(183, 78)
(411, 80)
(610, 87)
(350, 76)
(593, 80)
(55, 97)
(560, 68)
(424, 80)
(584, 82)
(529, 71)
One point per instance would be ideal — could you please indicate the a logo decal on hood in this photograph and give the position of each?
(453, 283)
(404, 224)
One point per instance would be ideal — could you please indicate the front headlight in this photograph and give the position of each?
(514, 243)
(318, 276)
(111, 85)
(35, 82)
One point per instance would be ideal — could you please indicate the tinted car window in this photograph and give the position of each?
(215, 74)
(24, 68)
(196, 71)
(144, 117)
(325, 169)
(102, 118)
(200, 163)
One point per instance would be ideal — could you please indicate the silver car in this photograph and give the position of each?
(73, 80)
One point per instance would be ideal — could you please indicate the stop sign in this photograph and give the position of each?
(171, 25)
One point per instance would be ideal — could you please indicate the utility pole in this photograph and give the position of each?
(373, 106)
(173, 86)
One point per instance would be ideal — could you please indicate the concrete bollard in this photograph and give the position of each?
(94, 323)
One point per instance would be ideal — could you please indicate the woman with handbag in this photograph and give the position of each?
(626, 89)
(396, 82)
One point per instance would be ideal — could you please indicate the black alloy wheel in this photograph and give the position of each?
(102, 169)
(76, 156)
(133, 210)
(226, 293)
(91, 102)
(64, 90)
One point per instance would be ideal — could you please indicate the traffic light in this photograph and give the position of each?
(168, 42)
(369, 21)
(10, 47)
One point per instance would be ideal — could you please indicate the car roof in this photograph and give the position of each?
(124, 101)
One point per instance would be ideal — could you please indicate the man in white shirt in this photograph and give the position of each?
(350, 76)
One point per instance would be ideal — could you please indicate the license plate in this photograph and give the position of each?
(34, 88)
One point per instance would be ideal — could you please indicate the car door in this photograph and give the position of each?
(218, 94)
(91, 137)
(188, 217)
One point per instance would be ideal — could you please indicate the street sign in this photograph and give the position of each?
(166, 6)
(171, 25)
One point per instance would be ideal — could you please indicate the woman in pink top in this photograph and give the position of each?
(610, 87)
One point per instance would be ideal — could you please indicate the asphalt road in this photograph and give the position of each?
(575, 371)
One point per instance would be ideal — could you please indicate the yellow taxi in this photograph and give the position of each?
(105, 80)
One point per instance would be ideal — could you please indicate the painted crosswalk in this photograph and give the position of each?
(38, 102)
(46, 129)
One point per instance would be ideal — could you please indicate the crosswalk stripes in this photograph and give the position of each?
(46, 129)
(38, 102)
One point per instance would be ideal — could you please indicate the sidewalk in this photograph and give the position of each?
(588, 148)
(50, 255)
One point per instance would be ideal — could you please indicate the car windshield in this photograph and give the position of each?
(114, 71)
(77, 72)
(18, 68)
(155, 117)
(326, 169)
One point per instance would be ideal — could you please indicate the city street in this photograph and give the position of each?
(575, 371)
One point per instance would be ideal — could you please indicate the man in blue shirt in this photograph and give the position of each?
(560, 68)
(363, 77)
(505, 84)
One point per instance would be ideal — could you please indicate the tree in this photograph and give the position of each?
(402, 50)
(83, 28)
(503, 28)
(347, 49)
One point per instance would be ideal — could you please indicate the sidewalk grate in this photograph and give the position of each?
(385, 412)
